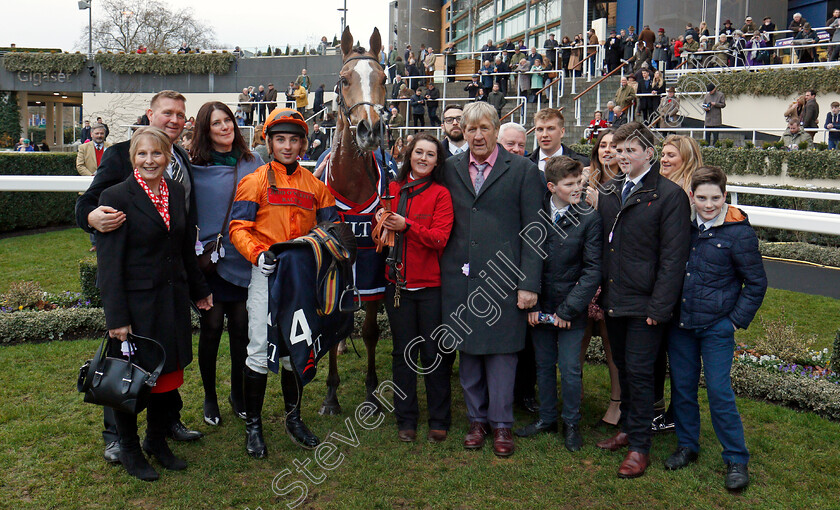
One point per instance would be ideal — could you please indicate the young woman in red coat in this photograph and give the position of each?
(422, 218)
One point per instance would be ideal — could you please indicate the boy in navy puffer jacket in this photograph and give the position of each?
(723, 288)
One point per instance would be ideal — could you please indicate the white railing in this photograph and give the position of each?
(788, 219)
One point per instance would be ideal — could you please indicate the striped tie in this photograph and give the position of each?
(176, 172)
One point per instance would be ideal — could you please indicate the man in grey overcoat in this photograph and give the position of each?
(490, 271)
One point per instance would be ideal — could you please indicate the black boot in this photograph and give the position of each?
(131, 457)
(254, 384)
(292, 395)
(155, 443)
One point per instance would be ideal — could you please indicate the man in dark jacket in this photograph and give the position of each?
(167, 111)
(549, 130)
(432, 96)
(811, 113)
(497, 99)
(271, 97)
(495, 196)
(318, 101)
(646, 241)
(614, 49)
(453, 141)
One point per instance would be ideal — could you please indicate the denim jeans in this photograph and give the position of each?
(715, 346)
(561, 348)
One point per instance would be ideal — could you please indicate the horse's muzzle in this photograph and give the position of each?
(369, 138)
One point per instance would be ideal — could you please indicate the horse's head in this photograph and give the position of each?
(362, 90)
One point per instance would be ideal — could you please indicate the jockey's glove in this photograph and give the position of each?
(267, 262)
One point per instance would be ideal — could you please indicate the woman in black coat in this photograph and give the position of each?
(148, 272)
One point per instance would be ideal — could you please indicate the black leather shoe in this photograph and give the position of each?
(680, 458)
(212, 416)
(528, 404)
(160, 450)
(179, 432)
(112, 452)
(737, 476)
(571, 437)
(537, 427)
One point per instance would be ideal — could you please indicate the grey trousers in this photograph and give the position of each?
(488, 382)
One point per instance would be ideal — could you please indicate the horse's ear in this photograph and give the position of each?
(375, 43)
(346, 42)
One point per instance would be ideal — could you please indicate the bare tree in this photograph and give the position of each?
(127, 24)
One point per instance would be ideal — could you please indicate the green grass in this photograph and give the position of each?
(51, 453)
(51, 259)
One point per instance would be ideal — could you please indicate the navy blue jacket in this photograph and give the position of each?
(725, 275)
(830, 118)
(572, 270)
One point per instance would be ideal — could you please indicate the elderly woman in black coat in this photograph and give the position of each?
(148, 272)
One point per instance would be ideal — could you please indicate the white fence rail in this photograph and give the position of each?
(785, 219)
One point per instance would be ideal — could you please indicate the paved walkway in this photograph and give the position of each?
(806, 278)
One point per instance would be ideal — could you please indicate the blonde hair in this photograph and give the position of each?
(169, 94)
(692, 159)
(474, 112)
(156, 135)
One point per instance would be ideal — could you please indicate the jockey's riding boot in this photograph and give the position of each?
(292, 394)
(254, 396)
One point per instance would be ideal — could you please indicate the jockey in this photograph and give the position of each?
(278, 202)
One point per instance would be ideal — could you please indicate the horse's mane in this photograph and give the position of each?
(359, 49)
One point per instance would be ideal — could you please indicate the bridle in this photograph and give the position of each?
(380, 109)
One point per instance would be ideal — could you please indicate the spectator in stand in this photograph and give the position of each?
(512, 137)
(643, 55)
(533, 55)
(796, 108)
(749, 27)
(412, 71)
(832, 123)
(794, 135)
(522, 46)
(737, 48)
(473, 87)
(318, 101)
(422, 56)
(625, 95)
(517, 57)
(304, 80)
(258, 146)
(595, 126)
(399, 68)
(689, 48)
(619, 117)
(142, 49)
(418, 109)
(318, 141)
(647, 104)
(550, 45)
(451, 60)
(407, 52)
(239, 116)
(660, 50)
(632, 82)
(397, 150)
(536, 80)
(676, 51)
(576, 56)
(394, 123)
(245, 105)
(524, 79)
(429, 64)
(648, 37)
(509, 49)
(481, 96)
(610, 114)
(592, 49)
(259, 97)
(486, 72)
(811, 113)
(496, 99)
(689, 29)
(613, 51)
(392, 62)
(565, 53)
(397, 86)
(301, 99)
(727, 29)
(721, 56)
(271, 99)
(184, 48)
(703, 29)
(834, 51)
(323, 45)
(502, 72)
(755, 52)
(86, 132)
(669, 110)
(488, 51)
(629, 42)
(797, 23)
(706, 44)
(766, 27)
(432, 95)
(713, 104)
(806, 36)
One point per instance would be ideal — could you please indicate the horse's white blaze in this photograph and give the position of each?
(363, 69)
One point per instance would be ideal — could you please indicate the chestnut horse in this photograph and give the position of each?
(357, 182)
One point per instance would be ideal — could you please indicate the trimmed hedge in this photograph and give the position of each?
(165, 64)
(25, 210)
(87, 279)
(818, 396)
(766, 82)
(805, 252)
(41, 62)
(38, 134)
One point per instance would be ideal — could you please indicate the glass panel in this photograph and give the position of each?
(514, 25)
(482, 37)
(485, 13)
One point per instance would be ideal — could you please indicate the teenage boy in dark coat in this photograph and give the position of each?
(723, 287)
(570, 278)
(646, 242)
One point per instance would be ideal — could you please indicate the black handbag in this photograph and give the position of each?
(121, 383)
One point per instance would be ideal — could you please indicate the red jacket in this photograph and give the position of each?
(429, 217)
